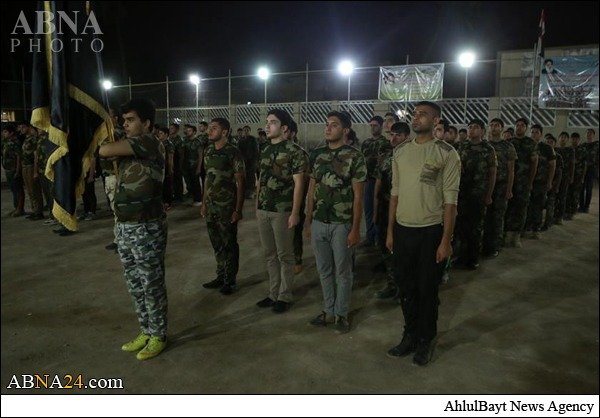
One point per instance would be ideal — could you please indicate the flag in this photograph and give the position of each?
(542, 31)
(67, 99)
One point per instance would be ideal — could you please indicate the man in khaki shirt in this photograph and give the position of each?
(425, 182)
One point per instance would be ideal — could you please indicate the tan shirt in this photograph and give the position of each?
(425, 177)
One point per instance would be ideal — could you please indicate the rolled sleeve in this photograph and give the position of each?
(451, 179)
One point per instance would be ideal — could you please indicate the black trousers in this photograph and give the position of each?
(585, 197)
(418, 277)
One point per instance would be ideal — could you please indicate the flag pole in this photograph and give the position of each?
(535, 47)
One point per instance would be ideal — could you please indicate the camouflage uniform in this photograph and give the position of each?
(142, 231)
(221, 196)
(249, 148)
(168, 182)
(552, 194)
(107, 167)
(177, 142)
(384, 173)
(190, 149)
(299, 229)
(568, 158)
(11, 153)
(32, 184)
(493, 229)
(591, 173)
(575, 187)
(278, 165)
(371, 149)
(537, 201)
(476, 161)
(334, 172)
(516, 212)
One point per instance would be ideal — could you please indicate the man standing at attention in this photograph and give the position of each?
(223, 202)
(142, 224)
(426, 174)
(334, 202)
(280, 193)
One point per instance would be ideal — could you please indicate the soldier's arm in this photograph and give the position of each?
(376, 200)
(310, 201)
(239, 205)
(200, 155)
(389, 242)
(491, 183)
(551, 171)
(358, 188)
(532, 170)
(511, 178)
(35, 163)
(298, 193)
(116, 149)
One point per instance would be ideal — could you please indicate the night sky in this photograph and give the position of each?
(149, 40)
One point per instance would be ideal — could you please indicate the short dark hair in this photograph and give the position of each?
(175, 125)
(344, 118)
(462, 130)
(400, 128)
(445, 123)
(592, 130)
(377, 119)
(548, 60)
(156, 126)
(239, 129)
(575, 135)
(537, 126)
(563, 133)
(204, 123)
(352, 136)
(223, 123)
(164, 130)
(511, 130)
(551, 137)
(394, 115)
(477, 122)
(498, 120)
(525, 121)
(453, 128)
(9, 127)
(283, 116)
(187, 125)
(432, 105)
(293, 126)
(246, 126)
(144, 108)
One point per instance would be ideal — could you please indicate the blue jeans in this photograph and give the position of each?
(334, 264)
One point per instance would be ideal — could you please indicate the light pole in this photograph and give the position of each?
(346, 68)
(264, 73)
(195, 80)
(466, 60)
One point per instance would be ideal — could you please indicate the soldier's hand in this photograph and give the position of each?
(487, 200)
(509, 194)
(353, 238)
(236, 217)
(443, 252)
(389, 242)
(549, 187)
(203, 211)
(293, 220)
(307, 230)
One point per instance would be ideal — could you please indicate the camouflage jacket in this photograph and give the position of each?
(384, 172)
(526, 149)
(558, 173)
(335, 171)
(221, 190)
(505, 153)
(476, 160)
(371, 150)
(42, 154)
(568, 159)
(580, 161)
(546, 155)
(278, 164)
(11, 152)
(138, 198)
(592, 155)
(191, 149)
(29, 146)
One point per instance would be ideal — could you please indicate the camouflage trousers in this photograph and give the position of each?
(298, 238)
(34, 190)
(223, 237)
(469, 227)
(142, 251)
(516, 211)
(493, 224)
(573, 196)
(535, 210)
(550, 209)
(561, 200)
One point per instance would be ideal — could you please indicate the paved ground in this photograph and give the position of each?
(525, 323)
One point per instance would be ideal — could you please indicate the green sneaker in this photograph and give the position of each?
(154, 347)
(136, 344)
